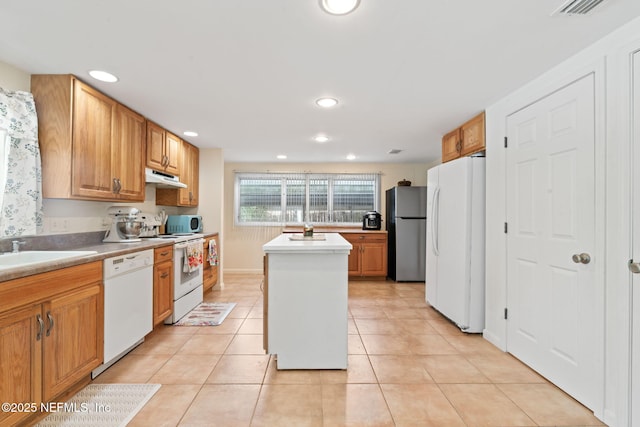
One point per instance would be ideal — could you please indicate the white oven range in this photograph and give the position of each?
(187, 287)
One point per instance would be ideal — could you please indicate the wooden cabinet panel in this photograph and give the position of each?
(20, 360)
(93, 116)
(374, 259)
(465, 140)
(162, 291)
(163, 149)
(368, 258)
(129, 143)
(155, 146)
(189, 175)
(209, 272)
(162, 284)
(472, 134)
(172, 151)
(73, 338)
(451, 145)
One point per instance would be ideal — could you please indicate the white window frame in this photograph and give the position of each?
(283, 176)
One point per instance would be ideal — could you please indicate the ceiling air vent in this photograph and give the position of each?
(394, 151)
(576, 7)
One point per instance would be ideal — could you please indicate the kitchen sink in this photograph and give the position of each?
(28, 258)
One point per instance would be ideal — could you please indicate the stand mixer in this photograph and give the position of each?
(125, 226)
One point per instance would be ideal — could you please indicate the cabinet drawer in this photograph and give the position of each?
(163, 254)
(364, 237)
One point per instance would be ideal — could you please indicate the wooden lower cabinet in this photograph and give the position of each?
(51, 335)
(210, 271)
(162, 284)
(71, 348)
(368, 258)
(20, 360)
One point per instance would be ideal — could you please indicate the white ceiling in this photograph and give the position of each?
(245, 74)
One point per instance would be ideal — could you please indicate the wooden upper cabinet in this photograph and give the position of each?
(92, 147)
(472, 134)
(467, 139)
(129, 144)
(93, 133)
(189, 175)
(163, 149)
(451, 145)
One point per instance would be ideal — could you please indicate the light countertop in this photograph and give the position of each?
(333, 243)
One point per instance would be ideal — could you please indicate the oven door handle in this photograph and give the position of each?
(183, 245)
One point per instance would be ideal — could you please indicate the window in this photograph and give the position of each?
(290, 198)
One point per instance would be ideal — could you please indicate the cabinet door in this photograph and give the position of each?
(355, 256)
(374, 259)
(162, 291)
(73, 338)
(473, 135)
(451, 145)
(93, 115)
(155, 146)
(190, 175)
(20, 353)
(172, 150)
(128, 154)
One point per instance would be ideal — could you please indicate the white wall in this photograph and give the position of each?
(211, 205)
(243, 244)
(12, 78)
(608, 59)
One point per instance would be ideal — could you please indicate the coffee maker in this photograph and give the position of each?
(372, 221)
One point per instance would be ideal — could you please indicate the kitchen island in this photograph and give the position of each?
(305, 301)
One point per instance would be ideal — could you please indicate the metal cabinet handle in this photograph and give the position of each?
(40, 327)
(50, 317)
(582, 258)
(164, 275)
(634, 267)
(115, 185)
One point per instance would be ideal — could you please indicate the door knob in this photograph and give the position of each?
(634, 267)
(582, 258)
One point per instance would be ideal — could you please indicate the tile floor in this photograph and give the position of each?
(408, 366)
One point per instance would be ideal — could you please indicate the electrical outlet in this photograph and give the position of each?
(59, 225)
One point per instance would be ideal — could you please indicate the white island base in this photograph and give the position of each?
(306, 292)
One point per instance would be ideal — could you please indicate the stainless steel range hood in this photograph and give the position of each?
(162, 179)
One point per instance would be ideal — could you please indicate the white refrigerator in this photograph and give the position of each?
(455, 241)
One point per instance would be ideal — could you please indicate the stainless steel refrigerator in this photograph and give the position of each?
(406, 219)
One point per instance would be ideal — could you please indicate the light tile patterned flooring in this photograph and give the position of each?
(408, 366)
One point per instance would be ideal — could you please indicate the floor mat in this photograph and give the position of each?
(101, 405)
(207, 314)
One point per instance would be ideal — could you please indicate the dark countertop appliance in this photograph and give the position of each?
(372, 221)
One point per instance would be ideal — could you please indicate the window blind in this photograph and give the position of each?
(294, 198)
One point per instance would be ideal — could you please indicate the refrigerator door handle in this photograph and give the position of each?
(434, 221)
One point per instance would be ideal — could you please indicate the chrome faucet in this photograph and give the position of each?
(16, 246)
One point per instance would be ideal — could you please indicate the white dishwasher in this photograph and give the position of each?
(128, 304)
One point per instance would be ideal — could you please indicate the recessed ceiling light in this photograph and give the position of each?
(189, 133)
(327, 102)
(281, 156)
(351, 156)
(321, 139)
(339, 7)
(103, 76)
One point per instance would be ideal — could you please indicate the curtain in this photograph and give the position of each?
(21, 176)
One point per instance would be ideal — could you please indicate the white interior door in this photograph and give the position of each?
(552, 318)
(635, 218)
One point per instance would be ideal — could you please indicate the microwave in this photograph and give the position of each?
(178, 224)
